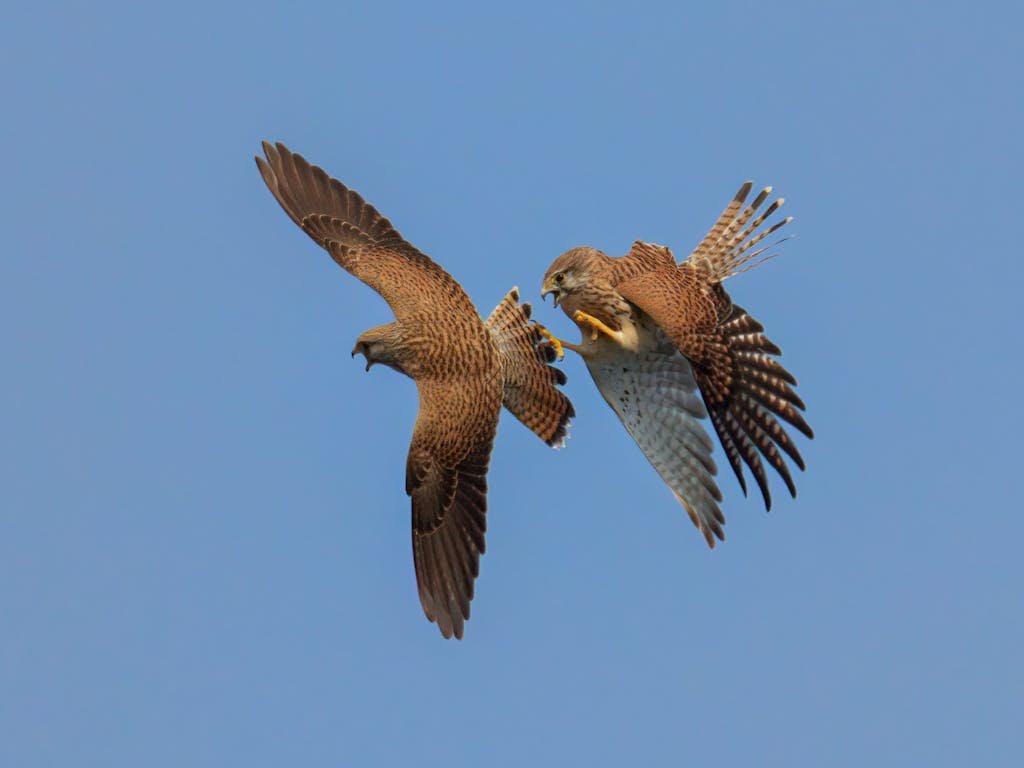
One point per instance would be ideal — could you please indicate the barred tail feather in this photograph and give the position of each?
(531, 385)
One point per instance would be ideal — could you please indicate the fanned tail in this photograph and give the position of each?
(531, 385)
(728, 247)
(746, 414)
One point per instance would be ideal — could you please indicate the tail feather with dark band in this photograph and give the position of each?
(531, 385)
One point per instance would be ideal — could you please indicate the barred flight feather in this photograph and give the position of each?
(725, 249)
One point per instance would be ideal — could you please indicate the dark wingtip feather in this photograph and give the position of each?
(561, 433)
(748, 415)
(557, 440)
(762, 483)
(266, 172)
(547, 353)
(727, 444)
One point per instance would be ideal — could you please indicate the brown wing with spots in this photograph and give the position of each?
(641, 259)
(530, 385)
(446, 476)
(745, 388)
(359, 238)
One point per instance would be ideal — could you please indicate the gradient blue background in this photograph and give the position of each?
(204, 536)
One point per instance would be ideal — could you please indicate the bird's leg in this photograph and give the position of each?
(553, 340)
(556, 343)
(596, 326)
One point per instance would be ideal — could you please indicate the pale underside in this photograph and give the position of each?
(651, 388)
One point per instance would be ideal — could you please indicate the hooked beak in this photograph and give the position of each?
(359, 349)
(557, 294)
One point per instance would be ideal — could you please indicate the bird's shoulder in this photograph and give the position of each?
(643, 258)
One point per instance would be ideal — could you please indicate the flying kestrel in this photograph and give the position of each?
(655, 331)
(465, 369)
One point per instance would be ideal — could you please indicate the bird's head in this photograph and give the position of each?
(572, 272)
(380, 345)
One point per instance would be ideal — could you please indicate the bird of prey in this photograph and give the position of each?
(465, 369)
(654, 332)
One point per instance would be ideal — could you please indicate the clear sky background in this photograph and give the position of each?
(204, 535)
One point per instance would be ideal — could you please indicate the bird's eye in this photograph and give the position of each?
(559, 277)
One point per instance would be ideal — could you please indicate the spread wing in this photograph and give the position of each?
(359, 238)
(446, 476)
(655, 396)
(747, 392)
(745, 388)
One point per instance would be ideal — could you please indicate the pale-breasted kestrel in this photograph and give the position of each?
(654, 332)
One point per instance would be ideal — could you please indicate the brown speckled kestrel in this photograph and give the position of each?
(655, 331)
(465, 369)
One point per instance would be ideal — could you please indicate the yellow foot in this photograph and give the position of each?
(596, 326)
(555, 342)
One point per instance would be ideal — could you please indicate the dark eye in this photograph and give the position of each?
(559, 277)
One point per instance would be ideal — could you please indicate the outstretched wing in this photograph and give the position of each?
(745, 389)
(530, 385)
(359, 238)
(655, 396)
(446, 476)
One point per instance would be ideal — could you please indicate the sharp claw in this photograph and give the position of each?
(555, 342)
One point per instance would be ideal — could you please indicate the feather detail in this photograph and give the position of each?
(530, 388)
(747, 403)
(725, 250)
(654, 395)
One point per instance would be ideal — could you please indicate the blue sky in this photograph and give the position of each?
(204, 536)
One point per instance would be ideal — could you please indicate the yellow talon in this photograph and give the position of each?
(556, 343)
(596, 326)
